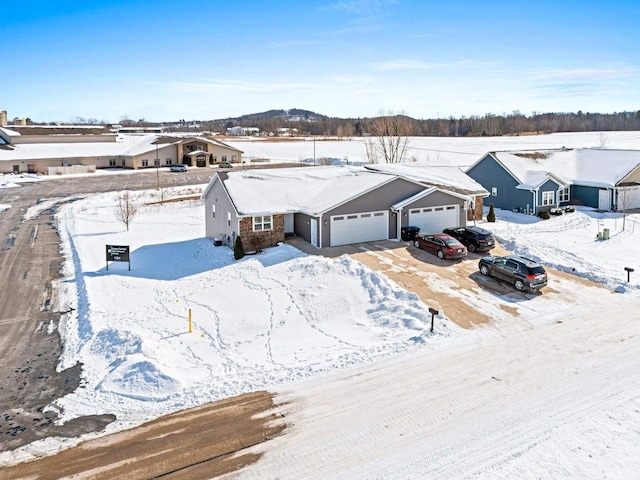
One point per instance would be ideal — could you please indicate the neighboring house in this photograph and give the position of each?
(531, 182)
(243, 131)
(326, 206)
(55, 149)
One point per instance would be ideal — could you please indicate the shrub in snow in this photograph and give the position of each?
(544, 215)
(491, 216)
(238, 249)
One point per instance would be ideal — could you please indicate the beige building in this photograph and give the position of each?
(51, 150)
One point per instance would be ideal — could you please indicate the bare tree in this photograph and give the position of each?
(624, 203)
(602, 140)
(388, 139)
(126, 209)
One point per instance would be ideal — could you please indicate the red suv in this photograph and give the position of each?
(443, 245)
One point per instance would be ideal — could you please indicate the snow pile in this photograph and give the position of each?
(276, 317)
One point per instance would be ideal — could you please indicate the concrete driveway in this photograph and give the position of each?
(454, 287)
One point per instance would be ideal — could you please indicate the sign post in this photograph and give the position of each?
(118, 253)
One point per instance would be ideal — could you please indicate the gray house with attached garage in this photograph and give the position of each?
(535, 181)
(326, 206)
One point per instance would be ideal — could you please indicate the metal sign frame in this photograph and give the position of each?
(118, 253)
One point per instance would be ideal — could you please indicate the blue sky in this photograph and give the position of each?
(196, 59)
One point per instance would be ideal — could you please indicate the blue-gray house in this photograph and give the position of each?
(531, 182)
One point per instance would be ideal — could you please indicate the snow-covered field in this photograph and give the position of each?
(454, 151)
(374, 393)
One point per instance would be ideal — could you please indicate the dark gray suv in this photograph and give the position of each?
(476, 239)
(523, 273)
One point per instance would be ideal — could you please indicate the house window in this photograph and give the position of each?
(215, 159)
(213, 210)
(156, 162)
(168, 161)
(145, 163)
(229, 219)
(233, 158)
(563, 194)
(262, 223)
(112, 163)
(224, 158)
(123, 162)
(494, 191)
(547, 198)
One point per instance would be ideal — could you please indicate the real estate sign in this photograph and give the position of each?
(118, 253)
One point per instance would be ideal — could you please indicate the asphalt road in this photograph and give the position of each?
(30, 260)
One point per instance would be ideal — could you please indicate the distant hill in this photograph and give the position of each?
(291, 115)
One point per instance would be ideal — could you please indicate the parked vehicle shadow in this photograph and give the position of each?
(502, 289)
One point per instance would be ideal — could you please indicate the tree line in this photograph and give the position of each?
(514, 123)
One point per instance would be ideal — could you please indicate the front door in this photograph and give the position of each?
(16, 169)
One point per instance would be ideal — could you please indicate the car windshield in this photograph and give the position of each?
(452, 242)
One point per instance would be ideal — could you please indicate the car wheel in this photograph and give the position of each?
(519, 284)
(440, 254)
(416, 244)
(484, 270)
(472, 247)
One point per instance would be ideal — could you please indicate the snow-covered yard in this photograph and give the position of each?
(372, 393)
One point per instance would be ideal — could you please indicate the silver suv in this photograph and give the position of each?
(178, 168)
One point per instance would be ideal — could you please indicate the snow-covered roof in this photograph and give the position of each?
(439, 175)
(196, 152)
(311, 190)
(592, 167)
(125, 146)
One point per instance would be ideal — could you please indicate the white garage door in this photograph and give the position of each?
(359, 227)
(435, 219)
(628, 198)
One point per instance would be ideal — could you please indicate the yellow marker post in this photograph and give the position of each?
(190, 321)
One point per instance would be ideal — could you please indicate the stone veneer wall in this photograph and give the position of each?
(253, 241)
(477, 209)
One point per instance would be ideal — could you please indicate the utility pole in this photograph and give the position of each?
(157, 167)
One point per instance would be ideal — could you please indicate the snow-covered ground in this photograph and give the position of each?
(442, 150)
(373, 393)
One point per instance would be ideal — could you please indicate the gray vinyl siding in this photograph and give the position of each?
(302, 226)
(489, 173)
(218, 226)
(587, 196)
(435, 199)
(377, 200)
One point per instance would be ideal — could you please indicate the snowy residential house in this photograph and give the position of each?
(535, 181)
(326, 206)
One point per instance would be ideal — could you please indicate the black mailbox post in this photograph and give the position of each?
(433, 313)
(628, 270)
